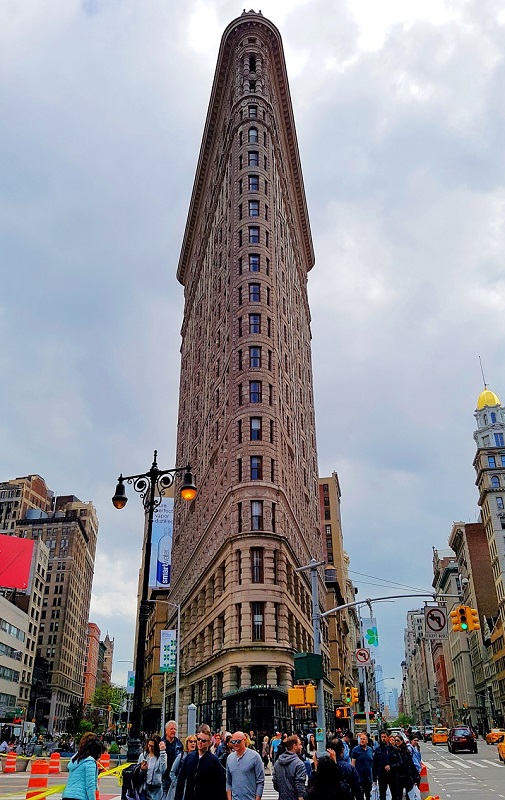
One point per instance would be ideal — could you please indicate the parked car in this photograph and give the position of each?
(440, 735)
(427, 733)
(461, 738)
(495, 735)
(398, 732)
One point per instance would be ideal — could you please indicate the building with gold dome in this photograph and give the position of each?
(489, 464)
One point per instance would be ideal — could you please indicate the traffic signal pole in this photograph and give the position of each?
(312, 566)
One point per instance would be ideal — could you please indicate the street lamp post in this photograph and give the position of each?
(151, 486)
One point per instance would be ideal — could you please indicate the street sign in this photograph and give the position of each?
(435, 622)
(362, 657)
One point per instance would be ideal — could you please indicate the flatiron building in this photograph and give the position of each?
(246, 407)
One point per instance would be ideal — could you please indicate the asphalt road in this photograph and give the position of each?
(476, 777)
(13, 787)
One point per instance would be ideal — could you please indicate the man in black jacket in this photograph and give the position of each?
(201, 776)
(385, 767)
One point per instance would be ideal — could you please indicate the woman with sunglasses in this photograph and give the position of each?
(189, 747)
(153, 763)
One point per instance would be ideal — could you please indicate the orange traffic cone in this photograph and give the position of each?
(10, 762)
(38, 778)
(424, 786)
(54, 763)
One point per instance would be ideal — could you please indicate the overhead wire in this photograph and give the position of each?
(395, 584)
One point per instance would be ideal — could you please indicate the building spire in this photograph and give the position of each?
(482, 371)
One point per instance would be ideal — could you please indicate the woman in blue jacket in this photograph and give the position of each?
(82, 770)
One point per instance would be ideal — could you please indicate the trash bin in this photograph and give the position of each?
(127, 780)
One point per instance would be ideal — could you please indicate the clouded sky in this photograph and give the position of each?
(399, 111)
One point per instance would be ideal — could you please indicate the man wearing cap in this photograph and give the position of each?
(245, 777)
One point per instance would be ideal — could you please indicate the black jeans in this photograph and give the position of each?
(383, 787)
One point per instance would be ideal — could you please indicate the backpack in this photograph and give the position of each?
(345, 791)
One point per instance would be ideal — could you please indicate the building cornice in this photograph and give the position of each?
(245, 23)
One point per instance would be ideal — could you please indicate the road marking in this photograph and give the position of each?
(493, 763)
(428, 766)
(446, 765)
(476, 763)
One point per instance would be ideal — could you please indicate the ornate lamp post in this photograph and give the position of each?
(151, 486)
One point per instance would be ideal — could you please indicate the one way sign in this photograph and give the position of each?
(435, 622)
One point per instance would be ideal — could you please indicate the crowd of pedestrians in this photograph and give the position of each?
(232, 766)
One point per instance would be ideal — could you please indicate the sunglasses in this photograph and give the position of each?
(236, 741)
(202, 739)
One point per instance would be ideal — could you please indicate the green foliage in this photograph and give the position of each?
(105, 696)
(403, 721)
(75, 713)
(113, 749)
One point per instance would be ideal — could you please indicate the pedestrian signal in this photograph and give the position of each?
(354, 695)
(310, 694)
(473, 620)
(342, 712)
(302, 696)
(296, 696)
(347, 694)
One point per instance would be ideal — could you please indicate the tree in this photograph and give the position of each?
(75, 714)
(403, 721)
(106, 696)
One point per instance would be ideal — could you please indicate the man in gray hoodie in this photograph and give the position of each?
(289, 774)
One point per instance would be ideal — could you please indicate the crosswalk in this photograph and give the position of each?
(457, 763)
(269, 792)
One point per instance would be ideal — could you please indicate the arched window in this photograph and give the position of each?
(493, 417)
(495, 481)
(253, 135)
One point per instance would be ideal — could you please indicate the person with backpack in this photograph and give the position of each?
(347, 775)
(289, 773)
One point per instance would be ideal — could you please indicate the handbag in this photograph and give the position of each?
(414, 793)
(374, 794)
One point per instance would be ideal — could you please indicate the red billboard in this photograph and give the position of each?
(15, 562)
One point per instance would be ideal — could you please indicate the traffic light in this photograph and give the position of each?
(342, 712)
(347, 695)
(459, 618)
(463, 617)
(354, 695)
(473, 620)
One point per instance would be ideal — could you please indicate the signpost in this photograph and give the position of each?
(363, 657)
(435, 622)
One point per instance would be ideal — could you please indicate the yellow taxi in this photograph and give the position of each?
(495, 735)
(501, 750)
(440, 735)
